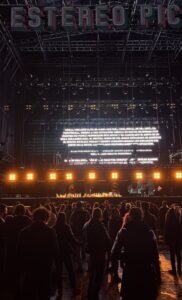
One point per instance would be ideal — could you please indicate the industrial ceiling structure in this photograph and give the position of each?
(50, 47)
(126, 76)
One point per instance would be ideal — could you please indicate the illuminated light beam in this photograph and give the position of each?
(12, 177)
(91, 175)
(52, 176)
(139, 175)
(114, 175)
(157, 175)
(69, 176)
(178, 175)
(30, 176)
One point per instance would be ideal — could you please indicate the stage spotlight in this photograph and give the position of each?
(69, 176)
(12, 177)
(157, 175)
(178, 175)
(91, 176)
(114, 175)
(139, 175)
(52, 176)
(30, 176)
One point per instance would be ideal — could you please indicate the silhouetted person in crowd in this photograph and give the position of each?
(67, 243)
(141, 272)
(96, 205)
(154, 210)
(14, 225)
(148, 218)
(3, 211)
(138, 203)
(173, 236)
(128, 207)
(115, 224)
(123, 209)
(162, 215)
(19, 221)
(98, 244)
(52, 214)
(37, 251)
(77, 220)
(106, 217)
(68, 212)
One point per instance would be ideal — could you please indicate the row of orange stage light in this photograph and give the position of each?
(54, 176)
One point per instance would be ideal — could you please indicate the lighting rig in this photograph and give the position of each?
(14, 177)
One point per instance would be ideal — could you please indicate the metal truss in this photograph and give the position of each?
(74, 42)
(10, 59)
(75, 122)
(10, 3)
(133, 11)
(25, 3)
(104, 46)
(149, 41)
(178, 50)
(81, 2)
(146, 40)
(61, 35)
(30, 3)
(104, 82)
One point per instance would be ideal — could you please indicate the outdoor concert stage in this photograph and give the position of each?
(92, 182)
(34, 202)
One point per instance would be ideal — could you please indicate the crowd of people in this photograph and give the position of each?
(97, 239)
